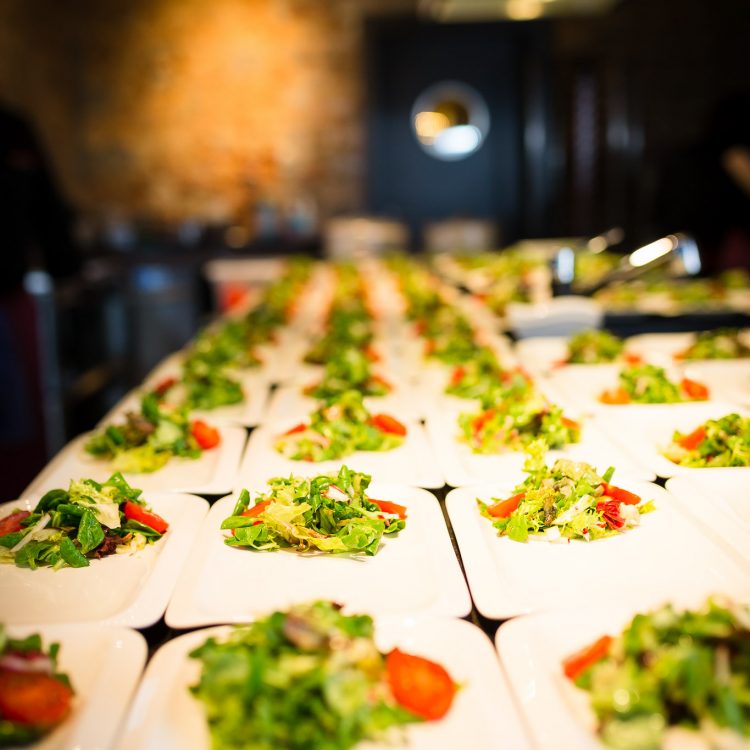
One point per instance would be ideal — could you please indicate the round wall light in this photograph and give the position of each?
(450, 120)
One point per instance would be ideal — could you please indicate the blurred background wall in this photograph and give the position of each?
(191, 108)
(174, 109)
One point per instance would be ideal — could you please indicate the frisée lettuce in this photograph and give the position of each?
(327, 513)
(568, 500)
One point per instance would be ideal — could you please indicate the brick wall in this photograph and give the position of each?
(166, 109)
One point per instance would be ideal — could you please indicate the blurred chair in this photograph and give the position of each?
(461, 235)
(363, 237)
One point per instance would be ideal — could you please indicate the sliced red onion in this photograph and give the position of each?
(19, 663)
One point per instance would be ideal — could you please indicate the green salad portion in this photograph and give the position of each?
(311, 678)
(594, 347)
(349, 369)
(87, 521)
(649, 384)
(512, 423)
(478, 375)
(713, 444)
(35, 696)
(568, 500)
(327, 513)
(146, 440)
(338, 428)
(723, 343)
(671, 679)
(201, 386)
(450, 336)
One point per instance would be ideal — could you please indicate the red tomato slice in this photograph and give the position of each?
(694, 390)
(206, 436)
(388, 507)
(257, 509)
(622, 496)
(615, 396)
(135, 512)
(33, 698)
(420, 685)
(301, 427)
(571, 424)
(504, 508)
(458, 375)
(12, 523)
(380, 380)
(389, 424)
(479, 423)
(694, 439)
(576, 664)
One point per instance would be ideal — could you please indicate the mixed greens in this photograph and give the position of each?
(715, 443)
(87, 521)
(514, 420)
(146, 440)
(723, 343)
(313, 678)
(338, 428)
(649, 384)
(327, 513)
(568, 500)
(349, 370)
(480, 375)
(672, 678)
(34, 696)
(593, 347)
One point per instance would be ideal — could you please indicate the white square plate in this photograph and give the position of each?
(532, 650)
(412, 463)
(290, 404)
(248, 413)
(666, 553)
(165, 716)
(128, 590)
(104, 665)
(644, 437)
(214, 473)
(414, 571)
(462, 466)
(667, 346)
(719, 502)
(579, 387)
(546, 354)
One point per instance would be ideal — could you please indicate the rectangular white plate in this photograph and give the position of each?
(165, 716)
(462, 466)
(719, 502)
(579, 387)
(545, 354)
(666, 346)
(643, 438)
(414, 571)
(250, 412)
(128, 590)
(665, 554)
(104, 665)
(290, 404)
(214, 473)
(412, 463)
(532, 650)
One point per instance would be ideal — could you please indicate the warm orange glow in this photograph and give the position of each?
(429, 124)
